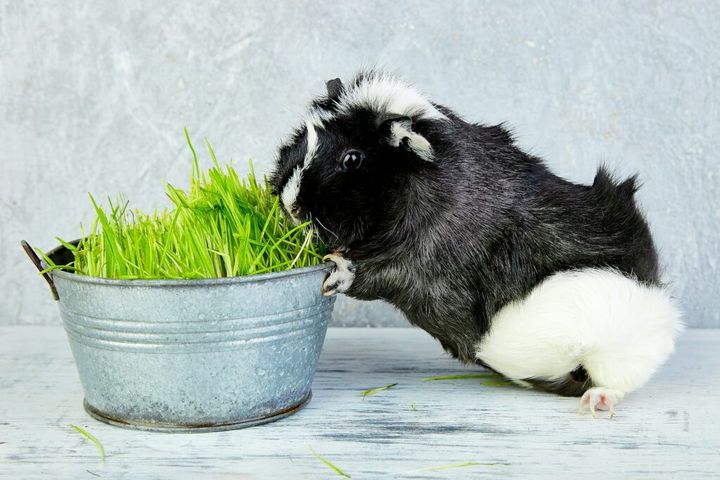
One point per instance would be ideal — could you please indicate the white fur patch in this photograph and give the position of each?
(312, 145)
(318, 116)
(341, 278)
(291, 191)
(619, 330)
(385, 94)
(292, 187)
(417, 143)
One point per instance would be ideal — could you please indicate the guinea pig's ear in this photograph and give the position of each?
(399, 133)
(334, 88)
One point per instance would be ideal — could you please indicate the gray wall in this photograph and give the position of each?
(94, 95)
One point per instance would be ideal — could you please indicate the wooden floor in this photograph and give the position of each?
(669, 429)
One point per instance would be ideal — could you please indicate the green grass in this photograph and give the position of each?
(493, 379)
(450, 466)
(92, 439)
(468, 376)
(376, 390)
(221, 226)
(328, 463)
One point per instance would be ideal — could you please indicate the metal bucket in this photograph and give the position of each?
(193, 355)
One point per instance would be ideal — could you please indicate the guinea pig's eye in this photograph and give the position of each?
(352, 160)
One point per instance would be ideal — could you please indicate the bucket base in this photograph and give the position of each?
(201, 428)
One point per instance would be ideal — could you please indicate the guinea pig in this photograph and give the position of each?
(553, 284)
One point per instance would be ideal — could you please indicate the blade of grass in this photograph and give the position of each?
(304, 245)
(450, 466)
(328, 463)
(92, 439)
(462, 377)
(376, 390)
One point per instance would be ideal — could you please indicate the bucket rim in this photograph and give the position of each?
(181, 282)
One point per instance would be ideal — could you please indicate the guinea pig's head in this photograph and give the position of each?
(348, 164)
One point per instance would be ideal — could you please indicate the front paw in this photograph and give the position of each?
(342, 276)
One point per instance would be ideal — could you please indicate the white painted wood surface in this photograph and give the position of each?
(669, 429)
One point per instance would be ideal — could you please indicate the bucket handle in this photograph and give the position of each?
(38, 264)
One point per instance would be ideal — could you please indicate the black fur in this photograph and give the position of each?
(452, 241)
(574, 384)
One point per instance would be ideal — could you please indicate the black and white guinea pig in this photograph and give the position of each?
(552, 284)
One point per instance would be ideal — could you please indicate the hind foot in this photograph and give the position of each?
(600, 398)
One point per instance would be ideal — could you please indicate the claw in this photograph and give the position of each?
(329, 290)
(334, 257)
(340, 278)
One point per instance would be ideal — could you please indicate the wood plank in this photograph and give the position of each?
(669, 429)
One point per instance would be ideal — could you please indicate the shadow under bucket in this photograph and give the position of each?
(193, 355)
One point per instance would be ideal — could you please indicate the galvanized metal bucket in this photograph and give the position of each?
(193, 355)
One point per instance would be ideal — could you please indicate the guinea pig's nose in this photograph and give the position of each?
(296, 211)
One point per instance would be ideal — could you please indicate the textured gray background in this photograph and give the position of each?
(94, 95)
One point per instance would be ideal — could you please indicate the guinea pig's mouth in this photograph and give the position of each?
(296, 214)
(299, 215)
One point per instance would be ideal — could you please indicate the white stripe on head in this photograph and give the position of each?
(292, 187)
(312, 144)
(318, 116)
(291, 190)
(385, 94)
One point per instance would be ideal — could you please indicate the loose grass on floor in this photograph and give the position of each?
(92, 439)
(376, 390)
(327, 462)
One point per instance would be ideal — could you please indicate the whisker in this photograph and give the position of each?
(323, 226)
